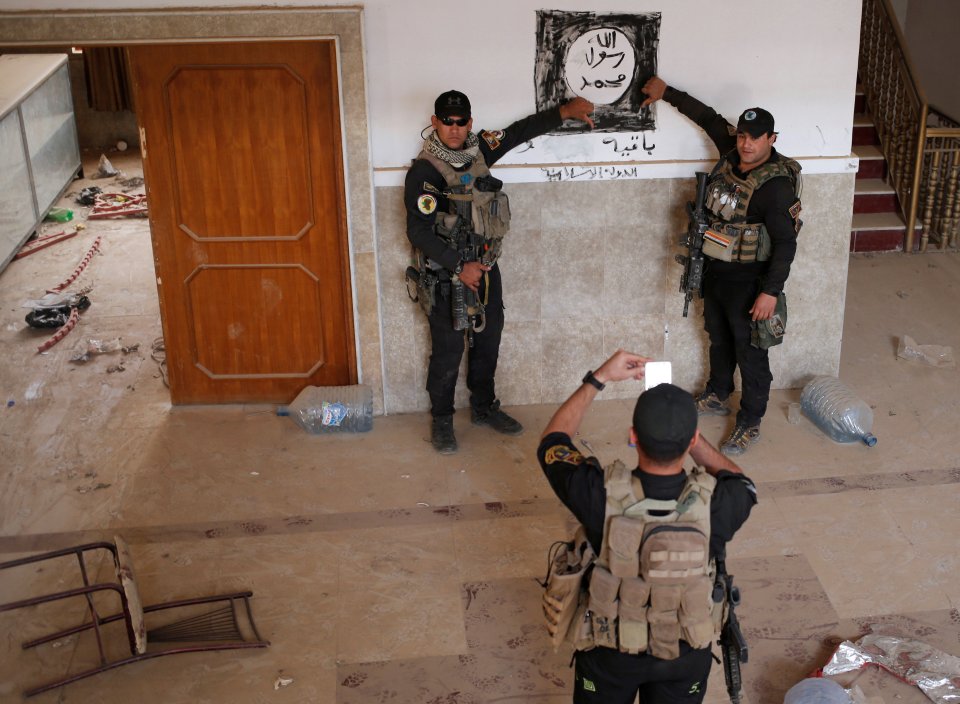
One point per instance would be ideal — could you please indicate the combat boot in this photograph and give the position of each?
(709, 404)
(496, 419)
(441, 435)
(741, 437)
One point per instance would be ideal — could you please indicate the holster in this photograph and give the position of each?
(422, 284)
(765, 334)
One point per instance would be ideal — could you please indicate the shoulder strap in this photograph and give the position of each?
(698, 489)
(449, 175)
(783, 167)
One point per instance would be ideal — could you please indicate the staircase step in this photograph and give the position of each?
(877, 232)
(872, 163)
(873, 195)
(865, 134)
(862, 119)
(872, 186)
(867, 151)
(877, 222)
(859, 101)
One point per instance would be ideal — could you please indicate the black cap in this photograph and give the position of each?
(665, 419)
(453, 102)
(755, 122)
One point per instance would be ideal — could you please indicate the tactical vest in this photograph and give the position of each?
(652, 584)
(730, 238)
(490, 210)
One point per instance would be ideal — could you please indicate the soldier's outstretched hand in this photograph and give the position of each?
(621, 366)
(654, 90)
(577, 109)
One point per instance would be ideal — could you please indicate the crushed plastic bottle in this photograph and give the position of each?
(331, 409)
(837, 411)
(59, 214)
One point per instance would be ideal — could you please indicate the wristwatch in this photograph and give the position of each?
(459, 267)
(589, 378)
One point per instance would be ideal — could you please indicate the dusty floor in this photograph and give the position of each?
(384, 573)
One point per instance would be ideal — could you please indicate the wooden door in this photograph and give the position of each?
(244, 175)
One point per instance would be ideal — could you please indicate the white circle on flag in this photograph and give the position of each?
(599, 65)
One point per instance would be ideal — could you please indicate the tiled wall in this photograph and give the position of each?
(588, 268)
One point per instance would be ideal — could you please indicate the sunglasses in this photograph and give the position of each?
(450, 121)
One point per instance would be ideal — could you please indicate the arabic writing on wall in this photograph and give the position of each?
(589, 173)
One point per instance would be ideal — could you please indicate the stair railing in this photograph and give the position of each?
(920, 144)
(940, 175)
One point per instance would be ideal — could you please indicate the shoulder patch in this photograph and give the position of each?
(427, 186)
(562, 453)
(492, 138)
(795, 210)
(426, 203)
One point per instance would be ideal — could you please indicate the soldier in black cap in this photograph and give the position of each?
(455, 161)
(753, 196)
(645, 630)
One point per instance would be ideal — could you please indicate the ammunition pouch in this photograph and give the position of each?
(737, 242)
(495, 216)
(564, 599)
(765, 334)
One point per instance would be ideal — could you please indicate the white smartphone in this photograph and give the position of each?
(655, 373)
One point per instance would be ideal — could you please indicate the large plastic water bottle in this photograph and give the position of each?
(837, 411)
(332, 409)
(816, 690)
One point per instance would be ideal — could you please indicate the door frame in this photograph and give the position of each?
(343, 25)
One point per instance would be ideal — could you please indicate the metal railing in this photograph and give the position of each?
(938, 202)
(923, 159)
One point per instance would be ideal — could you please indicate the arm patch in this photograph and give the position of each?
(795, 214)
(492, 138)
(426, 203)
(562, 453)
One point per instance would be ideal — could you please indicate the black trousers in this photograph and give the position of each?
(726, 318)
(447, 345)
(607, 676)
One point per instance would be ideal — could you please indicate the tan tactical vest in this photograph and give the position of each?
(730, 238)
(652, 585)
(490, 211)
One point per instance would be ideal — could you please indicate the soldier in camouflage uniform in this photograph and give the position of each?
(753, 199)
(454, 154)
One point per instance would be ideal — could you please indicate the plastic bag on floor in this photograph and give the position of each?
(935, 672)
(935, 355)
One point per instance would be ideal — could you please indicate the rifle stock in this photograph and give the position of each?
(692, 279)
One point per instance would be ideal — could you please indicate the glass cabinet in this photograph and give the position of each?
(39, 153)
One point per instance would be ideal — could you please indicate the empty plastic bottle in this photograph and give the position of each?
(332, 409)
(816, 691)
(837, 411)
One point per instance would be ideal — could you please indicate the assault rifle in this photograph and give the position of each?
(733, 646)
(467, 310)
(692, 280)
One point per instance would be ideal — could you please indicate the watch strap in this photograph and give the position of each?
(589, 378)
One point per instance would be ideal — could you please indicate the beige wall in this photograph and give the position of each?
(588, 268)
(931, 34)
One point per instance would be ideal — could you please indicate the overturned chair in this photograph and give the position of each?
(227, 624)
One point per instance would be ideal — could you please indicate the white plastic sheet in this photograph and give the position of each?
(935, 672)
